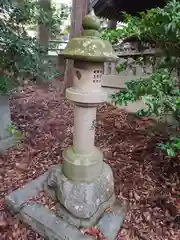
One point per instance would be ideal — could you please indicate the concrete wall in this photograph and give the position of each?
(113, 82)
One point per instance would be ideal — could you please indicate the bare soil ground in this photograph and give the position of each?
(144, 176)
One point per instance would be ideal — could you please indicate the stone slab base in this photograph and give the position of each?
(49, 225)
(16, 200)
(111, 221)
(7, 143)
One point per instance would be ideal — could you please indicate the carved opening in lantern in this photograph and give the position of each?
(97, 76)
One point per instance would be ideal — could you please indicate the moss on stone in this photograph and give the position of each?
(90, 46)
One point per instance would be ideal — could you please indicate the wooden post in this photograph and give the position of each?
(79, 10)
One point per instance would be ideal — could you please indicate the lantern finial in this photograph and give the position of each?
(91, 22)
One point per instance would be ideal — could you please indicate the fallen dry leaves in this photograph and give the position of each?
(142, 175)
(93, 232)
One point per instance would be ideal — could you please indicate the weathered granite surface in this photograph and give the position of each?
(16, 200)
(82, 199)
(48, 225)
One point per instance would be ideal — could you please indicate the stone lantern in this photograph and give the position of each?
(84, 185)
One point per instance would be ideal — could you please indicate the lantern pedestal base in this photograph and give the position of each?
(82, 203)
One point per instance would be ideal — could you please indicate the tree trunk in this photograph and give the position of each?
(79, 10)
(44, 31)
(112, 24)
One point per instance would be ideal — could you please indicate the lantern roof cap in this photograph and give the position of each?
(89, 46)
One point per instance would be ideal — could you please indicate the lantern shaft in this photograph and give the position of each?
(84, 129)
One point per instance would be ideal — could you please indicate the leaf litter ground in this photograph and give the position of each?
(148, 180)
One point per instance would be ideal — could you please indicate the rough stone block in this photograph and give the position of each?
(80, 222)
(83, 199)
(48, 225)
(16, 199)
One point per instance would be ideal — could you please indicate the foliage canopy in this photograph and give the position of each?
(21, 55)
(160, 90)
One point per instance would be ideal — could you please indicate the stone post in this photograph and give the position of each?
(84, 185)
(7, 140)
